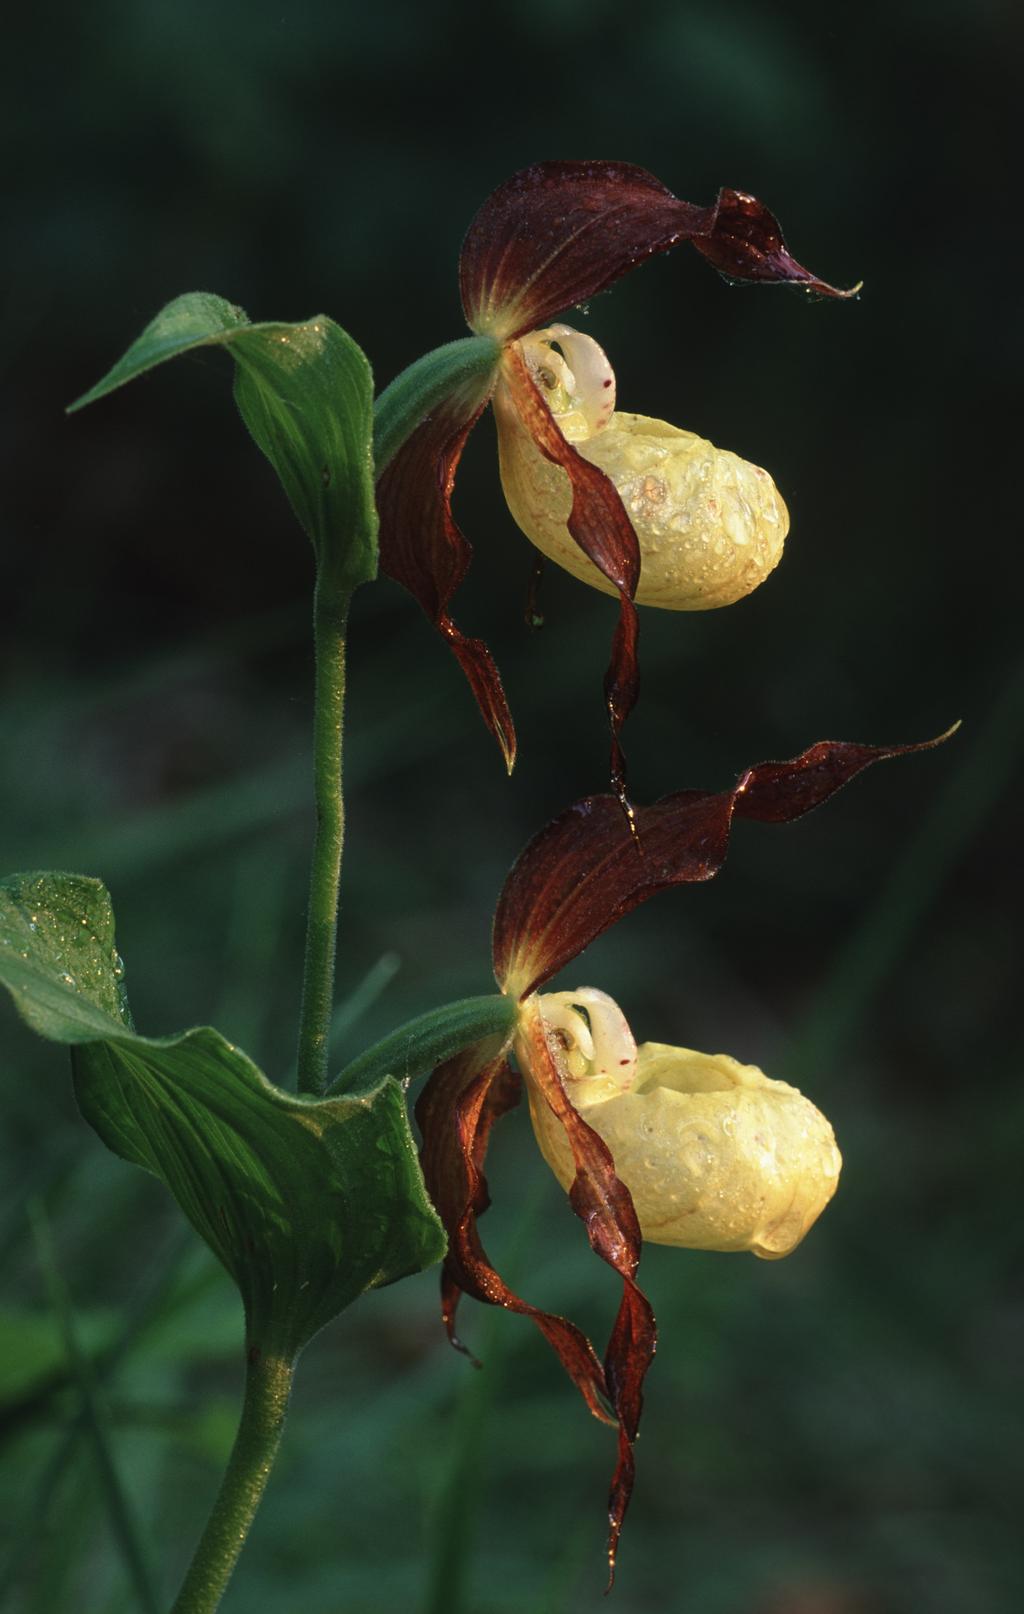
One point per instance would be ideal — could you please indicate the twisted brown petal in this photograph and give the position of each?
(605, 1207)
(456, 1110)
(602, 529)
(745, 242)
(422, 548)
(587, 868)
(560, 232)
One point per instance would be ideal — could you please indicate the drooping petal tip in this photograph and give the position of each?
(422, 547)
(745, 242)
(604, 1204)
(456, 1112)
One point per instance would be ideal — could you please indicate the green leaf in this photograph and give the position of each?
(306, 394)
(195, 320)
(305, 391)
(307, 1203)
(57, 956)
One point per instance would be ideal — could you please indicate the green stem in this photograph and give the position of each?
(330, 616)
(268, 1382)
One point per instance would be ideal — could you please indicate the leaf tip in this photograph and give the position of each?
(79, 403)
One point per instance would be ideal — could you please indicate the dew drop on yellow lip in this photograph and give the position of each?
(710, 526)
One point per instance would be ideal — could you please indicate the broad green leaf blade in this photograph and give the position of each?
(194, 320)
(305, 391)
(306, 394)
(307, 1203)
(57, 956)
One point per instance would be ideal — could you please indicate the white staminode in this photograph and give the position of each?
(579, 388)
(716, 1155)
(594, 1035)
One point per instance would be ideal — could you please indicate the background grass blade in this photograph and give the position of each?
(883, 935)
(121, 1514)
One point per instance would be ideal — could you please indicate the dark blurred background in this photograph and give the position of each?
(832, 1435)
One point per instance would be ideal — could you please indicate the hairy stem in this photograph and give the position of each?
(330, 619)
(268, 1382)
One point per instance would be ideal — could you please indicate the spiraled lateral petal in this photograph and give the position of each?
(600, 526)
(560, 232)
(589, 867)
(455, 1113)
(422, 548)
(603, 1203)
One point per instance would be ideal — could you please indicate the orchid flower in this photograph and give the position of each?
(655, 1142)
(634, 506)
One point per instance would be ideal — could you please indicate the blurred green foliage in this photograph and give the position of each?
(831, 1435)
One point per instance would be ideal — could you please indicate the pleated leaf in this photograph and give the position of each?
(308, 1203)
